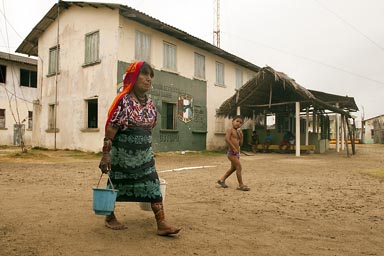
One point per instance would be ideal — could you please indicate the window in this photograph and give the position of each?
(3, 74)
(239, 78)
(250, 76)
(91, 48)
(219, 74)
(51, 116)
(199, 66)
(142, 47)
(2, 118)
(168, 116)
(53, 60)
(30, 116)
(220, 125)
(92, 113)
(28, 78)
(169, 56)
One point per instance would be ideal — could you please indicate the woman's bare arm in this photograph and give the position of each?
(110, 132)
(105, 163)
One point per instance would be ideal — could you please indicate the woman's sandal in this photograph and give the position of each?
(243, 188)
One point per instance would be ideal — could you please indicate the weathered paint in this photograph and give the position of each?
(167, 87)
(77, 83)
(17, 101)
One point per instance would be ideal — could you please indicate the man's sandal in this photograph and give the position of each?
(222, 184)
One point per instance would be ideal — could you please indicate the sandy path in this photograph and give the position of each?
(311, 205)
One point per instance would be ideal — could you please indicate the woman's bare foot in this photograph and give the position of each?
(164, 229)
(112, 223)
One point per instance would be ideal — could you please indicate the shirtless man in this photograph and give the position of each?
(234, 139)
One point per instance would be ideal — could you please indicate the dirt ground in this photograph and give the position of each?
(315, 204)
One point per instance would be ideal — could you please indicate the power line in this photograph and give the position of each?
(349, 25)
(308, 59)
(20, 98)
(7, 22)
(18, 122)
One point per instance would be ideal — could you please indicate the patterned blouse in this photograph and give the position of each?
(129, 112)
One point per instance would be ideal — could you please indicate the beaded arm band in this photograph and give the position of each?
(107, 145)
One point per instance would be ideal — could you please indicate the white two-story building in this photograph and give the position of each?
(18, 89)
(83, 50)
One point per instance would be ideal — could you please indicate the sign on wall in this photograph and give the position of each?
(185, 108)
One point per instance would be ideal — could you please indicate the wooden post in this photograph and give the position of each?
(306, 128)
(337, 128)
(342, 138)
(345, 132)
(343, 135)
(253, 120)
(353, 137)
(314, 120)
(238, 111)
(297, 128)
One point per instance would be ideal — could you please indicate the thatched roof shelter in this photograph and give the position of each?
(271, 91)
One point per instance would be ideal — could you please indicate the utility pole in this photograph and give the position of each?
(56, 73)
(216, 23)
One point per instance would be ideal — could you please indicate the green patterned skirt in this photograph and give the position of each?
(133, 170)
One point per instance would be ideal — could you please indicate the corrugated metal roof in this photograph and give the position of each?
(17, 58)
(29, 45)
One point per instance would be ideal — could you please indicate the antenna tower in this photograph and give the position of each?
(216, 23)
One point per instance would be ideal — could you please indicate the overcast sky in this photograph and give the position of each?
(334, 46)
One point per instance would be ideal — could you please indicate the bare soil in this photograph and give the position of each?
(316, 204)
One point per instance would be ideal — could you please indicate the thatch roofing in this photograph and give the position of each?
(271, 91)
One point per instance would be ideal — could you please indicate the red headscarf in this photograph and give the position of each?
(131, 74)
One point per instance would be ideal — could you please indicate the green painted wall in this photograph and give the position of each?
(166, 90)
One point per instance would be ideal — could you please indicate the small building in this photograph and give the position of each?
(373, 130)
(83, 50)
(305, 113)
(18, 89)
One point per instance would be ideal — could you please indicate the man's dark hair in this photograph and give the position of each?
(237, 117)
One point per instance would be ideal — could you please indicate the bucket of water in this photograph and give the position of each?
(147, 206)
(104, 199)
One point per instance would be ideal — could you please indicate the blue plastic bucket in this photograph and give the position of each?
(104, 199)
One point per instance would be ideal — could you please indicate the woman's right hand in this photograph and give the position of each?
(105, 163)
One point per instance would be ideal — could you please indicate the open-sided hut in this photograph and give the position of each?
(273, 92)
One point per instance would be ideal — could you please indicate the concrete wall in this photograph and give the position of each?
(374, 130)
(216, 95)
(167, 88)
(76, 83)
(17, 101)
(187, 135)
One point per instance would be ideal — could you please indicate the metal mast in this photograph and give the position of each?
(216, 23)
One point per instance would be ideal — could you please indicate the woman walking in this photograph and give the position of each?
(127, 150)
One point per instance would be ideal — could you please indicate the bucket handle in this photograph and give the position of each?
(109, 179)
